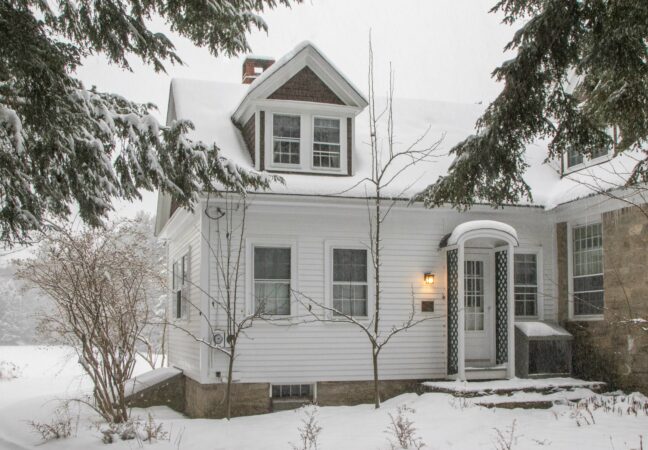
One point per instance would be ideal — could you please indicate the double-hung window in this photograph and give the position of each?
(350, 288)
(272, 269)
(575, 158)
(179, 285)
(526, 284)
(286, 132)
(587, 269)
(326, 143)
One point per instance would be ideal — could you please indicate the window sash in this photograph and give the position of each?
(326, 143)
(286, 139)
(574, 158)
(274, 303)
(525, 287)
(179, 283)
(587, 270)
(350, 287)
(271, 287)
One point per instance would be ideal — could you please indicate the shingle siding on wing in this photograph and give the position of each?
(306, 86)
(249, 137)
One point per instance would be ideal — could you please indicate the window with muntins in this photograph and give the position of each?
(587, 246)
(286, 131)
(272, 271)
(574, 158)
(526, 285)
(326, 143)
(474, 291)
(179, 281)
(350, 282)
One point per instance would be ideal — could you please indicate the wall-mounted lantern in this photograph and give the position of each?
(428, 278)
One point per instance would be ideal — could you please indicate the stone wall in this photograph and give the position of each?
(348, 393)
(615, 349)
(169, 393)
(208, 400)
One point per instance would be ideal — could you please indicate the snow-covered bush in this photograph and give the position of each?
(9, 370)
(309, 430)
(401, 430)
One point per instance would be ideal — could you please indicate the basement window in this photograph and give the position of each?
(292, 391)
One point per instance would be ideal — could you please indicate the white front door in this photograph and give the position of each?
(479, 309)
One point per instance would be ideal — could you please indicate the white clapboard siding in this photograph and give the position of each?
(307, 352)
(183, 349)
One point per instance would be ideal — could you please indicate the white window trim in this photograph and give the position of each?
(307, 112)
(540, 280)
(350, 244)
(252, 242)
(185, 288)
(585, 164)
(343, 131)
(301, 141)
(570, 270)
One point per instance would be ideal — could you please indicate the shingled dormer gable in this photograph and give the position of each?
(298, 116)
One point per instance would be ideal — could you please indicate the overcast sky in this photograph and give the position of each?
(439, 49)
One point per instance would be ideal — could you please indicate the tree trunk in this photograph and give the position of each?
(228, 392)
(376, 382)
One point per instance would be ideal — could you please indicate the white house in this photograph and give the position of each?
(300, 118)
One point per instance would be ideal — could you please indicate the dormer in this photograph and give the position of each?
(298, 116)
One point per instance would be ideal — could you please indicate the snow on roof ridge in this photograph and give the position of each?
(260, 57)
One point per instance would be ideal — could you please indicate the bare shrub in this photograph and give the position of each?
(9, 371)
(505, 439)
(60, 427)
(101, 281)
(309, 430)
(402, 431)
(134, 429)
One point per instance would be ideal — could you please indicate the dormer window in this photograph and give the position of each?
(326, 143)
(574, 160)
(286, 138)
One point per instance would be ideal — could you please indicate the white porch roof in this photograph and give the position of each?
(480, 228)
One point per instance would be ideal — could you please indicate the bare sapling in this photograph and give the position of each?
(390, 162)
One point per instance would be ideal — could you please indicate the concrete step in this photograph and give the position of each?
(507, 387)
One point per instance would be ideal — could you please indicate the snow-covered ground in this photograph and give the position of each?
(49, 375)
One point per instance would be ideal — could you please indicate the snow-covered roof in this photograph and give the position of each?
(212, 105)
(209, 105)
(481, 226)
(542, 330)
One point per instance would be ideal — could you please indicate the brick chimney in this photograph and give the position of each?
(253, 66)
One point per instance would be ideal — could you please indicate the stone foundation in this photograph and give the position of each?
(196, 400)
(208, 400)
(349, 393)
(169, 393)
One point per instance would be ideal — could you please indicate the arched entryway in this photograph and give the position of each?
(479, 257)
